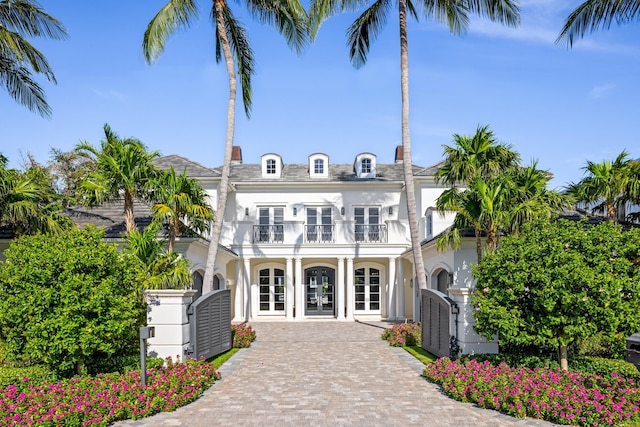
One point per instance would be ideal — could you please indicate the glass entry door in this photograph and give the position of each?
(320, 290)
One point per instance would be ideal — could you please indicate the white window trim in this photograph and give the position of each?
(277, 159)
(312, 170)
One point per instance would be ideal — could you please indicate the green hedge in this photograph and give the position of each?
(36, 374)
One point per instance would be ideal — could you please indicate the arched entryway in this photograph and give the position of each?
(320, 291)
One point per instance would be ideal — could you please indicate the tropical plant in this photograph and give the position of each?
(69, 300)
(120, 168)
(289, 18)
(480, 155)
(19, 59)
(490, 192)
(557, 282)
(180, 201)
(597, 14)
(453, 13)
(67, 169)
(28, 202)
(608, 185)
(164, 270)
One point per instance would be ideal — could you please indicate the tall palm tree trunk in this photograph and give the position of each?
(478, 233)
(406, 150)
(226, 165)
(129, 218)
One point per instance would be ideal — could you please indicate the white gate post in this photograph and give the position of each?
(167, 313)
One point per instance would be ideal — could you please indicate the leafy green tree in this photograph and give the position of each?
(28, 201)
(120, 168)
(559, 281)
(69, 301)
(608, 184)
(232, 43)
(597, 14)
(182, 202)
(19, 59)
(454, 14)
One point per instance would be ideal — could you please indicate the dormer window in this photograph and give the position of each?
(365, 165)
(271, 166)
(319, 165)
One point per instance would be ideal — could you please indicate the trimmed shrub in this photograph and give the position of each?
(33, 374)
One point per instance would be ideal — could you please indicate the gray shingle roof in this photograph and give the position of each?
(388, 172)
(179, 163)
(110, 215)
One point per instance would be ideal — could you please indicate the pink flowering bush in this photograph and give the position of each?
(403, 334)
(243, 335)
(104, 398)
(551, 394)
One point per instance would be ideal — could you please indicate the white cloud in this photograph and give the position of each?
(110, 94)
(601, 91)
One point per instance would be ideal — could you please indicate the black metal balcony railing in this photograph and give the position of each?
(268, 233)
(371, 233)
(319, 233)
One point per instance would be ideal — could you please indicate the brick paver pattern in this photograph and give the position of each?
(326, 373)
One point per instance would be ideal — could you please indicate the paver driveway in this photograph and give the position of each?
(325, 373)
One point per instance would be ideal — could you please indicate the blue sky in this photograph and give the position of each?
(559, 106)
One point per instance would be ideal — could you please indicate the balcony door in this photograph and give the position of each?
(367, 224)
(270, 225)
(320, 291)
(319, 225)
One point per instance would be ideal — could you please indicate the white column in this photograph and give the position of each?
(289, 293)
(400, 291)
(238, 306)
(299, 290)
(167, 313)
(248, 291)
(350, 290)
(391, 294)
(340, 290)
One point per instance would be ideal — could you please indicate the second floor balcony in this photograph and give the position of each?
(320, 234)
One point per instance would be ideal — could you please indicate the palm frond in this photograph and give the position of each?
(453, 13)
(593, 15)
(26, 17)
(365, 29)
(506, 12)
(288, 16)
(174, 15)
(18, 82)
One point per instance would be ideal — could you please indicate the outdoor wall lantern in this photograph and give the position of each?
(390, 210)
(450, 278)
(295, 211)
(246, 211)
(454, 308)
(146, 332)
(342, 211)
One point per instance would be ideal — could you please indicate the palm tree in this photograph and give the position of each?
(181, 201)
(595, 14)
(478, 155)
(496, 206)
(453, 13)
(121, 168)
(19, 59)
(28, 202)
(164, 270)
(608, 184)
(289, 18)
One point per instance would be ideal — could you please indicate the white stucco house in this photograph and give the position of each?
(317, 240)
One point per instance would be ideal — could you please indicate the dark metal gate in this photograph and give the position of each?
(436, 318)
(210, 325)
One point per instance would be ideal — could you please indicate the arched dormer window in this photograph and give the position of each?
(365, 165)
(271, 166)
(319, 165)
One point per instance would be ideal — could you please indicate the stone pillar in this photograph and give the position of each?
(299, 290)
(400, 291)
(167, 313)
(340, 290)
(468, 340)
(238, 302)
(289, 292)
(391, 294)
(350, 290)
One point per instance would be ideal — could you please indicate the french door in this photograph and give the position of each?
(320, 291)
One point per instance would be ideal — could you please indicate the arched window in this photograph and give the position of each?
(271, 167)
